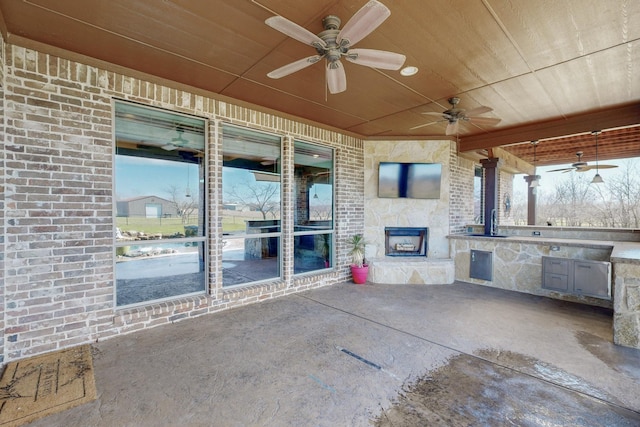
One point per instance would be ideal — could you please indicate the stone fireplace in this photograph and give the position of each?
(406, 241)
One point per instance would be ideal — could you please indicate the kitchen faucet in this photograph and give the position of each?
(494, 222)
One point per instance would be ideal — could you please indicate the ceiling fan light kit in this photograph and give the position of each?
(332, 44)
(597, 179)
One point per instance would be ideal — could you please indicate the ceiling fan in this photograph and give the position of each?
(333, 44)
(581, 166)
(454, 115)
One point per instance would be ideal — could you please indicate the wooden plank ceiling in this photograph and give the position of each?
(549, 69)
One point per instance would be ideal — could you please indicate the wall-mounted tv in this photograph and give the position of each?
(411, 180)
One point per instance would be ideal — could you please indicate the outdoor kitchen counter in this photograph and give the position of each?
(517, 265)
(627, 252)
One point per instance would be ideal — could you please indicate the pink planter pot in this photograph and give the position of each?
(360, 274)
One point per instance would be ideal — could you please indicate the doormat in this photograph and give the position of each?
(43, 385)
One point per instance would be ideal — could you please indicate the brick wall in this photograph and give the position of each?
(461, 192)
(58, 264)
(2, 204)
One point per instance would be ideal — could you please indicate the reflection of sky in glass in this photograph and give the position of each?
(423, 180)
(388, 185)
(413, 180)
(244, 180)
(138, 176)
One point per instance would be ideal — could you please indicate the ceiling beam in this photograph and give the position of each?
(620, 116)
(513, 164)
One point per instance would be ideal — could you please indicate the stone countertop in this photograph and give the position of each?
(626, 252)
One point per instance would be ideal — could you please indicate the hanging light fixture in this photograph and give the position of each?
(535, 182)
(188, 192)
(597, 179)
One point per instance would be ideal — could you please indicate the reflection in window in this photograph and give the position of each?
(477, 195)
(149, 271)
(313, 216)
(251, 206)
(160, 220)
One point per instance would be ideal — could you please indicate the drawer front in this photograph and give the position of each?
(556, 266)
(592, 278)
(556, 282)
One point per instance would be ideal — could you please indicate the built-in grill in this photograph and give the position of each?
(406, 241)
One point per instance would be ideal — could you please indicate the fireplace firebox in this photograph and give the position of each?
(406, 241)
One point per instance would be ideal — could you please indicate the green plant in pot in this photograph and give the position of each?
(359, 268)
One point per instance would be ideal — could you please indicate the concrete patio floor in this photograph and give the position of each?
(362, 355)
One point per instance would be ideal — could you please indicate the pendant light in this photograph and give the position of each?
(597, 179)
(188, 192)
(535, 182)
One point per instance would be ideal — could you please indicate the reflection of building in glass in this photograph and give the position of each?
(147, 207)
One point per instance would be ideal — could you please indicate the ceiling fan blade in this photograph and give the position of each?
(585, 168)
(485, 121)
(423, 125)
(607, 166)
(294, 31)
(336, 77)
(362, 23)
(452, 128)
(294, 66)
(561, 170)
(477, 111)
(432, 113)
(376, 58)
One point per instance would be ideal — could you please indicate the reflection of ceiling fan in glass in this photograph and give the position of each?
(182, 143)
(177, 142)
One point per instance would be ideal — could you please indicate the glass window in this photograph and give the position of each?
(160, 215)
(313, 214)
(251, 206)
(477, 195)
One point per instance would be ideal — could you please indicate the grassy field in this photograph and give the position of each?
(165, 226)
(232, 221)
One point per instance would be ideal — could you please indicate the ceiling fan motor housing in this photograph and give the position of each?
(332, 51)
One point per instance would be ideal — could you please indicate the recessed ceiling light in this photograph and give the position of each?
(409, 71)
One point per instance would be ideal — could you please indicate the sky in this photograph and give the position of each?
(549, 180)
(137, 176)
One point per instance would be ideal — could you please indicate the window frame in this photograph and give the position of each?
(328, 231)
(201, 239)
(278, 234)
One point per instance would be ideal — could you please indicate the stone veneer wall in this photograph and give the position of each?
(505, 186)
(382, 212)
(626, 317)
(58, 266)
(517, 266)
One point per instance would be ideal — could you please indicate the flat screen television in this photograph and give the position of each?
(410, 180)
